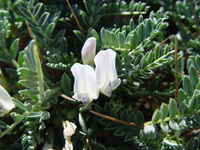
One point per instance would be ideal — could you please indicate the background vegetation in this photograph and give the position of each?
(157, 45)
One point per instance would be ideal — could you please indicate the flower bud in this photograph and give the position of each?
(149, 129)
(88, 51)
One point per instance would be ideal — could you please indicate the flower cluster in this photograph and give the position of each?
(89, 81)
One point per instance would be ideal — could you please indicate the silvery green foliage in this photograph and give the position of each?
(40, 41)
(184, 15)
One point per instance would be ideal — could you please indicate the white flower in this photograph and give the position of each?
(69, 130)
(149, 128)
(88, 51)
(85, 84)
(106, 71)
(6, 104)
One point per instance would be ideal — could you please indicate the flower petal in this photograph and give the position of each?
(106, 71)
(105, 67)
(83, 98)
(85, 82)
(100, 61)
(110, 86)
(149, 129)
(112, 73)
(77, 72)
(69, 128)
(115, 83)
(6, 104)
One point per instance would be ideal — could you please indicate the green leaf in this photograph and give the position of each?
(181, 64)
(35, 115)
(14, 47)
(141, 33)
(172, 108)
(45, 115)
(156, 116)
(197, 62)
(198, 86)
(149, 57)
(28, 84)
(27, 74)
(140, 117)
(193, 75)
(29, 92)
(59, 37)
(43, 18)
(20, 59)
(121, 38)
(182, 108)
(134, 40)
(65, 83)
(181, 95)
(194, 102)
(17, 117)
(164, 111)
(19, 104)
(49, 29)
(187, 86)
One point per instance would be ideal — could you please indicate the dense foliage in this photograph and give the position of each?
(157, 103)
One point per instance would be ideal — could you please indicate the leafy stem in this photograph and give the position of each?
(39, 71)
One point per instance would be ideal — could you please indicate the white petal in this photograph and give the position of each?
(112, 73)
(69, 128)
(110, 86)
(106, 90)
(83, 98)
(89, 50)
(149, 129)
(105, 67)
(106, 71)
(101, 62)
(6, 104)
(85, 84)
(115, 83)
(77, 72)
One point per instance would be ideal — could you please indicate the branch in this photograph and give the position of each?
(105, 116)
(116, 120)
(74, 15)
(30, 31)
(67, 97)
(176, 69)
